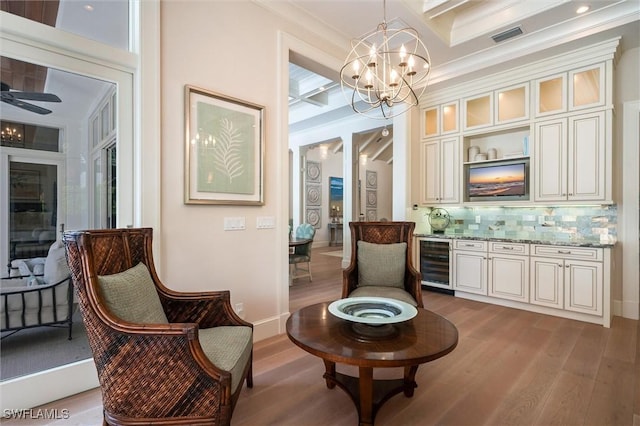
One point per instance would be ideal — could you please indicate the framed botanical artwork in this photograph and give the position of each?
(224, 149)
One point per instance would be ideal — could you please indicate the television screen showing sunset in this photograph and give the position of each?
(497, 180)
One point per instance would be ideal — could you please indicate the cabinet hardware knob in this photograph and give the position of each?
(506, 248)
(564, 251)
(560, 265)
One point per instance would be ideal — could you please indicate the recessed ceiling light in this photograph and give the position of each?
(582, 9)
(88, 8)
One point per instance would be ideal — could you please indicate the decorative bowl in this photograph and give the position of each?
(372, 310)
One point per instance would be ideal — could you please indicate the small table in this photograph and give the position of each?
(426, 337)
(335, 234)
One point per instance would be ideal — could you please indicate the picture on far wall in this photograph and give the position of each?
(313, 217)
(314, 172)
(224, 146)
(314, 195)
(372, 179)
(372, 198)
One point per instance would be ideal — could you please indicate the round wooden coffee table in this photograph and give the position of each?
(426, 337)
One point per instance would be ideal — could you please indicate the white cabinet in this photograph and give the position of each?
(567, 282)
(547, 282)
(440, 120)
(509, 271)
(440, 171)
(570, 159)
(470, 266)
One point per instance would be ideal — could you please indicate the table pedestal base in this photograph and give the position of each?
(368, 394)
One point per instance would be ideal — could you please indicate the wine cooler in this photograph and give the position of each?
(435, 263)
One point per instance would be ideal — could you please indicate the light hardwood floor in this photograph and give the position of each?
(511, 367)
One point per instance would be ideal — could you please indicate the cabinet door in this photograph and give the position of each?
(586, 87)
(550, 161)
(547, 282)
(509, 277)
(551, 95)
(583, 287)
(512, 104)
(430, 172)
(478, 111)
(450, 171)
(430, 122)
(449, 118)
(586, 166)
(470, 272)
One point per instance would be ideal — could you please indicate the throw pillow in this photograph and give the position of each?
(55, 265)
(131, 295)
(381, 264)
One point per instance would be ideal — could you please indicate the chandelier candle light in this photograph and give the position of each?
(386, 71)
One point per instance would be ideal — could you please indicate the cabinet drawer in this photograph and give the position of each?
(566, 252)
(470, 245)
(509, 248)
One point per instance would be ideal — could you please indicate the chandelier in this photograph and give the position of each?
(386, 71)
(10, 135)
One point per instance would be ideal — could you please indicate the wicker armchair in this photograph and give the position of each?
(188, 370)
(379, 234)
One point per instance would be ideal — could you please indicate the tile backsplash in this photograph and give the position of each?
(569, 223)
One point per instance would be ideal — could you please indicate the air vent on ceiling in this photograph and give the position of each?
(505, 35)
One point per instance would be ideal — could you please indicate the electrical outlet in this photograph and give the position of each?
(478, 219)
(240, 310)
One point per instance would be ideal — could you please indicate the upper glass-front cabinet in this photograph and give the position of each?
(551, 98)
(450, 117)
(512, 104)
(586, 87)
(578, 89)
(430, 122)
(478, 111)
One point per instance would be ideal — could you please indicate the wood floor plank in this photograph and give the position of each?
(568, 401)
(608, 405)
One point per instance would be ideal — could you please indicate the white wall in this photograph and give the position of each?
(626, 270)
(219, 46)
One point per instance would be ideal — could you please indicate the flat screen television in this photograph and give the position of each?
(504, 181)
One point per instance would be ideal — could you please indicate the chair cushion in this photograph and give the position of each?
(381, 264)
(305, 230)
(387, 292)
(228, 348)
(131, 295)
(55, 265)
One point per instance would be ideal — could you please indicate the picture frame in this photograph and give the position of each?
(224, 149)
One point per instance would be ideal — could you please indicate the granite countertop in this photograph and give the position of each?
(551, 242)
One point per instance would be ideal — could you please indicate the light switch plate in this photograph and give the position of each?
(265, 222)
(236, 223)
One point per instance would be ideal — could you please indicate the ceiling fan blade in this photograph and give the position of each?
(32, 96)
(26, 106)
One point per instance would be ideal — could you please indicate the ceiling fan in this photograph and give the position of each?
(17, 98)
